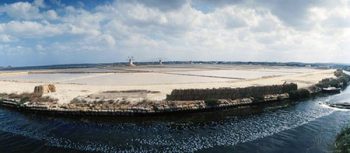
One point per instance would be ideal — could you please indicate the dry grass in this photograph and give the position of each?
(28, 97)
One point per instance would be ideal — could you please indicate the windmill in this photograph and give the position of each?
(131, 61)
(160, 61)
(157, 61)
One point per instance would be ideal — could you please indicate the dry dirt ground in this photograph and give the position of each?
(159, 79)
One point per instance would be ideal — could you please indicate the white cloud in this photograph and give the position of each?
(231, 31)
(109, 40)
(28, 11)
(5, 38)
(51, 14)
(30, 29)
(21, 10)
(39, 3)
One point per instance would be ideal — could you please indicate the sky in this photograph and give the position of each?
(47, 32)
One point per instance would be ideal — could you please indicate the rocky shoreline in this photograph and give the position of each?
(163, 107)
(189, 100)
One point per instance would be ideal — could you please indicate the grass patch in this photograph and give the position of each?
(342, 142)
(211, 102)
(299, 94)
(27, 97)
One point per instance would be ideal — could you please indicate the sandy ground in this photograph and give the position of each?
(156, 78)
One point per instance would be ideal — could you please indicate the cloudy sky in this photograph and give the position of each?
(42, 32)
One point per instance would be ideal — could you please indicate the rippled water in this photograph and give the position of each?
(306, 126)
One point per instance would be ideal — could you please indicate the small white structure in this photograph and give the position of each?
(131, 61)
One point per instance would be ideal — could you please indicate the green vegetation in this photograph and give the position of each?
(342, 142)
(340, 82)
(211, 102)
(25, 97)
(2, 95)
(329, 82)
(230, 93)
(299, 94)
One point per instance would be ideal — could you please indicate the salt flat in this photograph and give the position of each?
(71, 83)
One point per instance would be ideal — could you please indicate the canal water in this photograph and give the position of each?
(305, 126)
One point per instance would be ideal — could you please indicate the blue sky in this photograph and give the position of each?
(45, 32)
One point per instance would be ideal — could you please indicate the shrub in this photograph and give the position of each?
(339, 73)
(211, 102)
(342, 142)
(329, 82)
(230, 93)
(299, 94)
(25, 99)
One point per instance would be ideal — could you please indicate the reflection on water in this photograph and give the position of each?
(307, 126)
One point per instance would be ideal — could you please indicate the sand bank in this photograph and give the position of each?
(162, 79)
